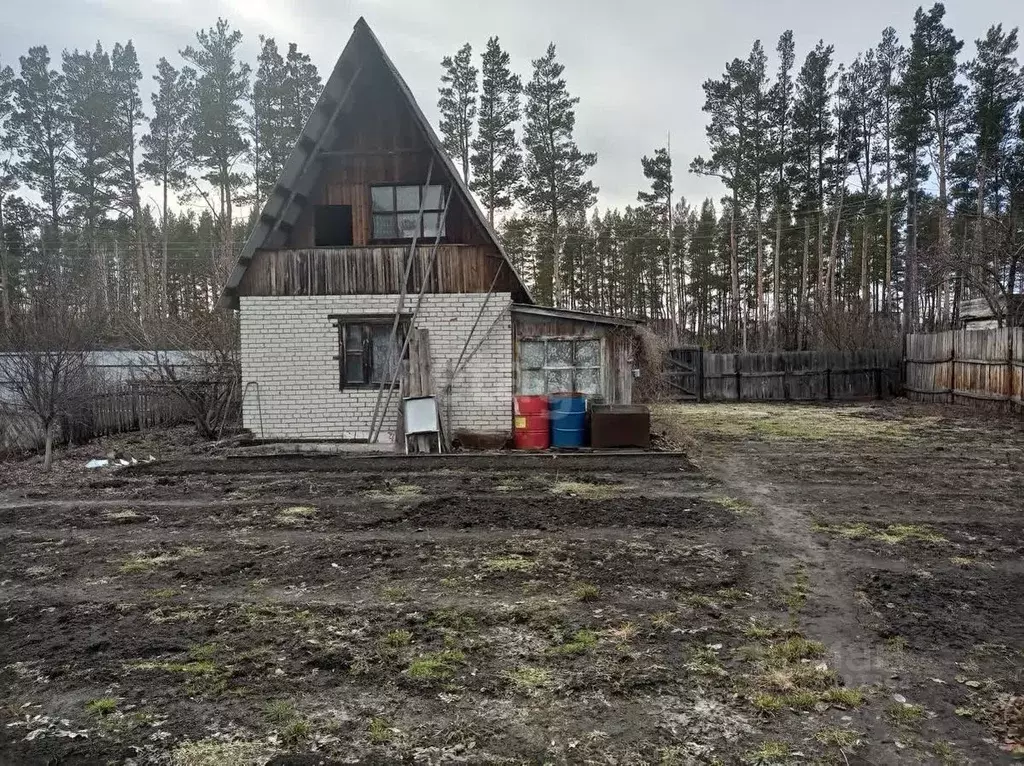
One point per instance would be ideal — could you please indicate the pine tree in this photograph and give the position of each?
(865, 113)
(302, 86)
(167, 148)
(218, 141)
(891, 57)
(932, 73)
(42, 135)
(7, 184)
(657, 207)
(759, 163)
(996, 90)
(554, 184)
(457, 104)
(783, 158)
(268, 123)
(91, 192)
(128, 117)
(496, 159)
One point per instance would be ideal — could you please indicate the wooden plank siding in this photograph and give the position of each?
(375, 270)
(617, 349)
(380, 143)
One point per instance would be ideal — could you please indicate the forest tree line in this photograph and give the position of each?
(862, 198)
(78, 143)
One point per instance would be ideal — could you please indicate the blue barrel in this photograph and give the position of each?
(568, 413)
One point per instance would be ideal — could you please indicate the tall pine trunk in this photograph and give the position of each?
(164, 302)
(801, 305)
(777, 293)
(5, 271)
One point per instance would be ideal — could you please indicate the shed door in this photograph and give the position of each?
(560, 365)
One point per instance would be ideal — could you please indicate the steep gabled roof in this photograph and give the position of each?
(292, 192)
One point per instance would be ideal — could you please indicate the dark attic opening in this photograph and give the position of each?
(332, 225)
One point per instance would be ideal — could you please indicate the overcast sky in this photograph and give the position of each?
(636, 65)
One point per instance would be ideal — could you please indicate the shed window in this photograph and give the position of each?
(560, 365)
(396, 212)
(367, 355)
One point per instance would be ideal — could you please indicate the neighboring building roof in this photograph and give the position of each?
(291, 193)
(576, 316)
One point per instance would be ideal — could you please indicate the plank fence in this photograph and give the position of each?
(979, 367)
(792, 376)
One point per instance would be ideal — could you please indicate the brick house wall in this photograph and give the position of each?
(290, 374)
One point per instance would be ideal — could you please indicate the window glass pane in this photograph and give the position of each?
(384, 227)
(430, 225)
(588, 353)
(432, 198)
(383, 198)
(559, 353)
(558, 381)
(353, 338)
(353, 368)
(408, 198)
(531, 354)
(588, 381)
(531, 382)
(385, 355)
(408, 225)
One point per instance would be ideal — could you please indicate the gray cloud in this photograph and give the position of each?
(636, 66)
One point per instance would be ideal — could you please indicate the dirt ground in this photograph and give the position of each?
(807, 585)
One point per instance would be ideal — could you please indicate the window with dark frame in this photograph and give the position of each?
(559, 366)
(367, 355)
(332, 225)
(396, 212)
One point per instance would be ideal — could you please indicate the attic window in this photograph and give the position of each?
(396, 212)
(332, 225)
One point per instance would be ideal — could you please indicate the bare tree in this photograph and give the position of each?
(195, 362)
(43, 368)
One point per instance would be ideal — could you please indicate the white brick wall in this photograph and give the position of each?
(289, 371)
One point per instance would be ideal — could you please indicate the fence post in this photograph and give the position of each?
(828, 384)
(739, 379)
(878, 381)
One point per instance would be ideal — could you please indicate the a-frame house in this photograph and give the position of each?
(370, 233)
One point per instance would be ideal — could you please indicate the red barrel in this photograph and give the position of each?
(532, 429)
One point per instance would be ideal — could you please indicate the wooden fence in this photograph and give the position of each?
(796, 376)
(131, 406)
(980, 367)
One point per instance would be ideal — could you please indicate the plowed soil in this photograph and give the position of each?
(820, 585)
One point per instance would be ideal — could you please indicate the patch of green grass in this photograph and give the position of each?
(794, 649)
(768, 703)
(452, 621)
(769, 753)
(946, 754)
(163, 592)
(837, 736)
(397, 638)
(843, 696)
(756, 630)
(128, 515)
(904, 713)
(893, 534)
(201, 652)
(663, 620)
(897, 644)
(581, 642)
(379, 731)
(200, 668)
(394, 593)
(734, 504)
(102, 706)
(435, 666)
(296, 732)
(140, 563)
(212, 752)
(170, 614)
(705, 661)
(511, 563)
(588, 491)
(297, 513)
(279, 712)
(585, 592)
(964, 562)
(529, 679)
